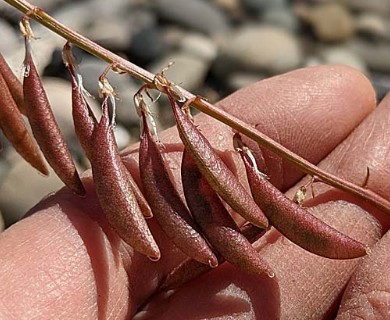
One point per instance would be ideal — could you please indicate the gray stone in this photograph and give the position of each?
(282, 17)
(198, 15)
(264, 48)
(22, 188)
(262, 5)
(372, 24)
(381, 83)
(199, 46)
(378, 6)
(343, 55)
(187, 71)
(375, 55)
(147, 45)
(10, 40)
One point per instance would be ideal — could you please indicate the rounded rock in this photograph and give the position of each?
(202, 16)
(264, 48)
(330, 21)
(199, 46)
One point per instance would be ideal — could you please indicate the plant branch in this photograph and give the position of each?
(124, 65)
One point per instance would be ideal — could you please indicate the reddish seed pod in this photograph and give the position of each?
(14, 128)
(295, 222)
(216, 223)
(85, 122)
(215, 170)
(167, 206)
(13, 83)
(83, 118)
(190, 269)
(115, 195)
(45, 128)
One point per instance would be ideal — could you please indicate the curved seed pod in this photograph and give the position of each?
(14, 128)
(216, 223)
(190, 269)
(215, 170)
(13, 83)
(295, 222)
(143, 204)
(85, 122)
(167, 206)
(45, 128)
(83, 118)
(115, 194)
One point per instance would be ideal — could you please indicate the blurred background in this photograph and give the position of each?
(218, 46)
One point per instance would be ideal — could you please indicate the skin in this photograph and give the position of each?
(63, 261)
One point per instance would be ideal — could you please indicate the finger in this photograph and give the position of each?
(368, 293)
(69, 231)
(366, 147)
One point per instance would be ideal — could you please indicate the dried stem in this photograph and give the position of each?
(123, 65)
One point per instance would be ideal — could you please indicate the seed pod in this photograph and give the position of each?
(216, 223)
(13, 83)
(45, 128)
(219, 176)
(14, 128)
(295, 222)
(167, 206)
(83, 117)
(190, 269)
(114, 192)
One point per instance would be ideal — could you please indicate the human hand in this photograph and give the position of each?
(64, 262)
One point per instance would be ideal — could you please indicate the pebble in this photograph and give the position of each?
(377, 6)
(23, 187)
(373, 25)
(187, 71)
(262, 48)
(375, 55)
(199, 46)
(198, 15)
(343, 55)
(281, 17)
(10, 40)
(147, 45)
(329, 21)
(262, 5)
(381, 83)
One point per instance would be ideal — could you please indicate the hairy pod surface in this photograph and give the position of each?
(298, 224)
(115, 194)
(14, 128)
(83, 118)
(216, 223)
(45, 128)
(14, 85)
(215, 170)
(190, 269)
(166, 204)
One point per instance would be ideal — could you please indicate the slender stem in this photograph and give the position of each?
(124, 65)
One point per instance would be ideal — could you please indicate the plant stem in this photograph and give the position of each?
(124, 65)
